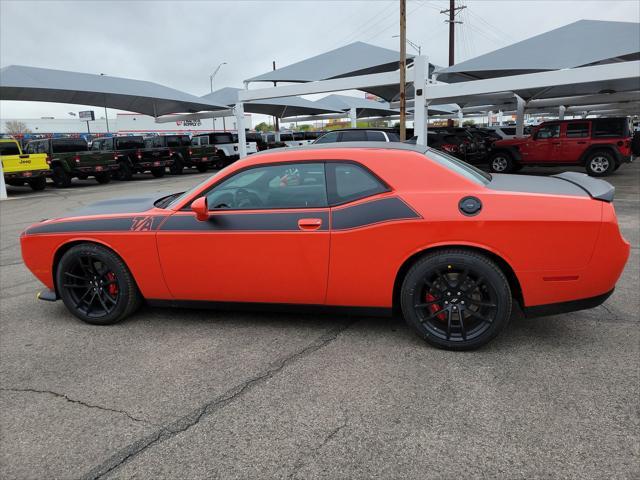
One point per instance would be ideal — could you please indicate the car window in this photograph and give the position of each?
(393, 137)
(298, 136)
(30, 148)
(106, 144)
(610, 127)
(458, 166)
(68, 146)
(374, 136)
(330, 137)
(354, 136)
(96, 145)
(130, 143)
(218, 138)
(173, 141)
(286, 137)
(577, 130)
(291, 185)
(508, 130)
(9, 148)
(349, 181)
(548, 131)
(185, 140)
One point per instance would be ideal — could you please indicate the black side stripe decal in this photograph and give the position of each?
(369, 213)
(120, 224)
(280, 221)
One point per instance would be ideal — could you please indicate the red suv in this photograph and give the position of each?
(601, 145)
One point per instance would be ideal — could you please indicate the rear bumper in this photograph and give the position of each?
(91, 169)
(27, 174)
(566, 307)
(146, 165)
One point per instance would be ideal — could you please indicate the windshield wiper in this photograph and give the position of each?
(165, 201)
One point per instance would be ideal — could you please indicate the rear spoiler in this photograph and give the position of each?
(598, 189)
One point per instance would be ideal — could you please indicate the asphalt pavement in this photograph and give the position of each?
(192, 394)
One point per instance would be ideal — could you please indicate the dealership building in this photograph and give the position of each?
(123, 124)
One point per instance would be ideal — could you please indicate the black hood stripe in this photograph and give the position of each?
(120, 224)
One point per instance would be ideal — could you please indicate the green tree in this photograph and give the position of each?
(304, 128)
(264, 127)
(468, 123)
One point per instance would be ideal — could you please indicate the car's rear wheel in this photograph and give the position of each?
(60, 177)
(95, 285)
(103, 177)
(202, 167)
(501, 162)
(456, 299)
(600, 164)
(38, 184)
(125, 171)
(177, 166)
(158, 172)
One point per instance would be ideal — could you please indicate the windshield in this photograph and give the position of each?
(460, 167)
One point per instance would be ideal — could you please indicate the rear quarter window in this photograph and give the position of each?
(9, 148)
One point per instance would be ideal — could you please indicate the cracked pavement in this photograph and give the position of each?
(206, 394)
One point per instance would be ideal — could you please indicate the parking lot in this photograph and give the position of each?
(211, 394)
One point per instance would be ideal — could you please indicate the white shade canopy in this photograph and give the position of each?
(59, 86)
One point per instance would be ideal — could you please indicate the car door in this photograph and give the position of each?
(575, 141)
(544, 145)
(267, 239)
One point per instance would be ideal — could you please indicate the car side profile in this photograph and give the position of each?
(368, 227)
(601, 145)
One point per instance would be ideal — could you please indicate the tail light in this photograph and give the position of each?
(139, 154)
(77, 159)
(448, 147)
(48, 160)
(115, 156)
(190, 152)
(170, 152)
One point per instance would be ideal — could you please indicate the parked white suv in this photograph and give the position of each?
(226, 143)
(358, 135)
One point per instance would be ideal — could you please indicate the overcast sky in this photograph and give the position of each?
(179, 43)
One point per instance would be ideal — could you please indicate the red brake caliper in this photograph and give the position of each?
(113, 288)
(435, 308)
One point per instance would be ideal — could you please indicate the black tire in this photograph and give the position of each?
(90, 271)
(158, 172)
(124, 172)
(449, 283)
(38, 184)
(202, 167)
(501, 162)
(221, 160)
(600, 163)
(103, 177)
(177, 166)
(60, 177)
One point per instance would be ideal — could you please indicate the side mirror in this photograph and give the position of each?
(201, 209)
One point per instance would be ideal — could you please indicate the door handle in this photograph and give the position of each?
(309, 223)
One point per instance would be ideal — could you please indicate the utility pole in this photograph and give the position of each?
(276, 123)
(452, 11)
(403, 69)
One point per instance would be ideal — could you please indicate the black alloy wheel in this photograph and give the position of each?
(95, 285)
(456, 299)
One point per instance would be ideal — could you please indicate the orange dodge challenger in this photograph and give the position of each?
(374, 227)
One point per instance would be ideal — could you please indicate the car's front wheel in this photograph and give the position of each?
(38, 184)
(456, 299)
(95, 285)
(501, 162)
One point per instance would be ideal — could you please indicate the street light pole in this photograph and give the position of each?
(106, 116)
(211, 82)
(403, 67)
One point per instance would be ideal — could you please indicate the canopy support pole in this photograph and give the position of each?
(500, 117)
(353, 115)
(242, 137)
(460, 116)
(3, 186)
(520, 103)
(419, 103)
(561, 111)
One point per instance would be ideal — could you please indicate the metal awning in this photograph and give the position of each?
(276, 107)
(357, 58)
(59, 86)
(579, 44)
(364, 107)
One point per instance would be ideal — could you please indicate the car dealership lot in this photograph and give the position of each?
(206, 394)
